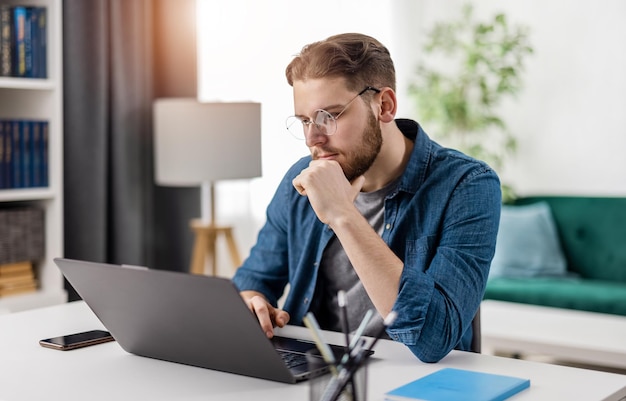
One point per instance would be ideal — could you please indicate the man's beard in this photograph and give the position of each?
(361, 158)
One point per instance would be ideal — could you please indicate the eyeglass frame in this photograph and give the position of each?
(309, 122)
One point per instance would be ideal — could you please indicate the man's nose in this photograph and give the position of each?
(314, 134)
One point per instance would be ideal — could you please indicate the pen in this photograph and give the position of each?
(327, 354)
(361, 329)
(357, 339)
(391, 317)
(339, 382)
(341, 300)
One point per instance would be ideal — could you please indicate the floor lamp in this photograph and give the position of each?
(199, 143)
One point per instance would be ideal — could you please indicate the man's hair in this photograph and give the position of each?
(360, 59)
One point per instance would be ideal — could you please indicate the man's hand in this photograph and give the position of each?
(331, 195)
(268, 316)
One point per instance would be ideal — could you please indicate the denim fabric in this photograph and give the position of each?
(442, 221)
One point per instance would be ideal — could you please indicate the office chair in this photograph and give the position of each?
(475, 346)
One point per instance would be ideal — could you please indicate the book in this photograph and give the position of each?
(16, 146)
(450, 384)
(7, 170)
(43, 150)
(16, 280)
(16, 268)
(31, 287)
(36, 156)
(37, 20)
(19, 45)
(25, 151)
(28, 42)
(23, 41)
(6, 40)
(2, 166)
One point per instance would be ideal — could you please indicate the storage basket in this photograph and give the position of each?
(22, 234)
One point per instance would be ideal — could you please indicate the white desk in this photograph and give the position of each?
(568, 335)
(106, 372)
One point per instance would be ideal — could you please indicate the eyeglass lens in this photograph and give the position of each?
(322, 121)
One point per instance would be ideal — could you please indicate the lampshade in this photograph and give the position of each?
(198, 142)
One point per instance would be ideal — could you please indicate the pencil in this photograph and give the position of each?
(327, 354)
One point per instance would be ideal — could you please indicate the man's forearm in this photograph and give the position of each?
(378, 268)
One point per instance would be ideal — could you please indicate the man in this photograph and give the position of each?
(377, 210)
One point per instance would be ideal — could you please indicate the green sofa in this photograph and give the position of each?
(592, 236)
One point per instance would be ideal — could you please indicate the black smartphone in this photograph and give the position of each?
(77, 340)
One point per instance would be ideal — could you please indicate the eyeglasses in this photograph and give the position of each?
(323, 121)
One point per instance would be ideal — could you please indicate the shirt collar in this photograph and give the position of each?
(415, 172)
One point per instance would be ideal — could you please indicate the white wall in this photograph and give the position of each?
(569, 118)
(244, 47)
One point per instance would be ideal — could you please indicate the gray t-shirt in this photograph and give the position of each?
(336, 272)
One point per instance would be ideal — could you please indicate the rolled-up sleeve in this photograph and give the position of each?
(446, 269)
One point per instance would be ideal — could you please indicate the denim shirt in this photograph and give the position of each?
(441, 221)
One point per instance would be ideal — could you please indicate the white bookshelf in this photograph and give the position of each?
(23, 98)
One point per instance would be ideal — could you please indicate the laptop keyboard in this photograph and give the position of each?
(292, 359)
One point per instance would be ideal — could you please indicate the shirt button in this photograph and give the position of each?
(388, 226)
(306, 301)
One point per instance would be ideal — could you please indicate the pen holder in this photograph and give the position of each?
(324, 377)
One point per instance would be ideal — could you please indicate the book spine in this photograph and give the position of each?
(38, 39)
(42, 22)
(28, 43)
(16, 165)
(8, 154)
(26, 153)
(35, 145)
(6, 41)
(44, 154)
(2, 163)
(19, 15)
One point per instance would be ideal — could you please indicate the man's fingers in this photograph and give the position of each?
(281, 318)
(267, 315)
(357, 185)
(297, 184)
(262, 310)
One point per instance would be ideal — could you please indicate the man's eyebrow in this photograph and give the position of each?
(334, 106)
(327, 108)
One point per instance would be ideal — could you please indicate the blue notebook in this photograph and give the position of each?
(450, 384)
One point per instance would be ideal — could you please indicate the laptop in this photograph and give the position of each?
(190, 319)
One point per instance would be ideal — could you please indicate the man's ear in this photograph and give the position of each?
(388, 105)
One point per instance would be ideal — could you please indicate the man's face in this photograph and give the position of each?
(357, 140)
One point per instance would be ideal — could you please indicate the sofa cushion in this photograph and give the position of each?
(592, 231)
(527, 244)
(569, 293)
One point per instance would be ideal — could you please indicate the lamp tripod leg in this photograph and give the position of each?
(232, 248)
(198, 258)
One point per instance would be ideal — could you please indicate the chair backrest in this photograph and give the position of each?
(476, 344)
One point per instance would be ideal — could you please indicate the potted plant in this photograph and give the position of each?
(468, 68)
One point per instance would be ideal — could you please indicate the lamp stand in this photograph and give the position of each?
(206, 233)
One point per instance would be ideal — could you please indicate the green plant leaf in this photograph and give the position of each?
(480, 63)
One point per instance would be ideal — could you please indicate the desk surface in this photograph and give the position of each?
(106, 372)
(570, 335)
